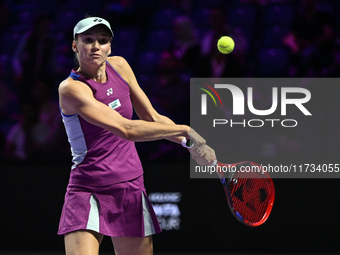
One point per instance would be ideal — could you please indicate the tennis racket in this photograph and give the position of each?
(250, 191)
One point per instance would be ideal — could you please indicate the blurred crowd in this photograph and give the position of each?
(166, 42)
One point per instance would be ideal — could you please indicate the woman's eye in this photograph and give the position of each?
(103, 41)
(88, 40)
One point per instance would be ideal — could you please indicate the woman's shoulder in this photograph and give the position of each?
(69, 84)
(69, 81)
(117, 62)
(121, 66)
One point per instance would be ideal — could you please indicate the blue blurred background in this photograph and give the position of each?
(166, 42)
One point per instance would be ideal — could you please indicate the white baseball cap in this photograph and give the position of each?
(86, 24)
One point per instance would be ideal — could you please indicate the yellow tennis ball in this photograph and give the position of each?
(225, 44)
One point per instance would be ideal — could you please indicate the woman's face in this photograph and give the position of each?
(93, 46)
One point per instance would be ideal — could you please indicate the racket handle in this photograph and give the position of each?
(219, 173)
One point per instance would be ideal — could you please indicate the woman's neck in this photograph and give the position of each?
(96, 73)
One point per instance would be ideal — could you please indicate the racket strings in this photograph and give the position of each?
(250, 195)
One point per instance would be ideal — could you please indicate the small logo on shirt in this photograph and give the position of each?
(115, 104)
(109, 91)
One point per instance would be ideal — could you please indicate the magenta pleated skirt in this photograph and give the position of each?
(121, 209)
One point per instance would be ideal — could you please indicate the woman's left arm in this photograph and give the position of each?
(140, 101)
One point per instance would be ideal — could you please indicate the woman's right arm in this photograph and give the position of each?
(76, 97)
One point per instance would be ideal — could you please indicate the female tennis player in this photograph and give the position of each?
(105, 194)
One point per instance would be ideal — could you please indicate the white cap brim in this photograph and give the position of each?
(86, 24)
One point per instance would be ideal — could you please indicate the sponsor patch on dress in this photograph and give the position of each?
(114, 104)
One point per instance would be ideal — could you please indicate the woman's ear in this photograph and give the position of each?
(74, 47)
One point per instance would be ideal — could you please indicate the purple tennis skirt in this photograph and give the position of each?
(121, 209)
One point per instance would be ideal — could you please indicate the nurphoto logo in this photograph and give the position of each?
(281, 97)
